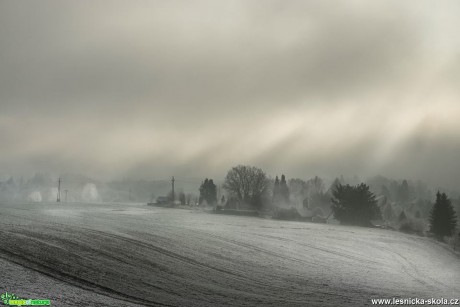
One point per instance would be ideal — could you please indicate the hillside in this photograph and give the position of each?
(112, 254)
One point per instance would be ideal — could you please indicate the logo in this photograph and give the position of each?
(11, 299)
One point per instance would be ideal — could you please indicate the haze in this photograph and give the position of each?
(148, 89)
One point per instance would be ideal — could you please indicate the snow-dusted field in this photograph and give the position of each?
(130, 255)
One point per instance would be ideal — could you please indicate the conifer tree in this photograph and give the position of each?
(208, 192)
(355, 205)
(284, 190)
(404, 191)
(402, 216)
(442, 216)
(276, 188)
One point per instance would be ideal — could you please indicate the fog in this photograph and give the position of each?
(148, 89)
(231, 153)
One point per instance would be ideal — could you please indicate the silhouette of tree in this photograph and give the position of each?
(442, 216)
(403, 192)
(316, 195)
(208, 192)
(188, 199)
(354, 205)
(388, 213)
(182, 198)
(385, 192)
(402, 216)
(281, 190)
(298, 187)
(247, 183)
(284, 190)
(276, 189)
(298, 191)
(334, 185)
(316, 185)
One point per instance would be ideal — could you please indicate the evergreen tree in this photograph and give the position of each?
(208, 192)
(404, 191)
(284, 190)
(385, 192)
(182, 198)
(316, 185)
(354, 205)
(276, 188)
(334, 185)
(442, 216)
(388, 213)
(402, 216)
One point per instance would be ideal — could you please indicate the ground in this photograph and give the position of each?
(80, 254)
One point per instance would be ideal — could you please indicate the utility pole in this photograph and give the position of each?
(66, 191)
(172, 183)
(59, 191)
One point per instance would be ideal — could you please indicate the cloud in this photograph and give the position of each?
(146, 88)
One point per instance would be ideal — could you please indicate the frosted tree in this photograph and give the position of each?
(247, 184)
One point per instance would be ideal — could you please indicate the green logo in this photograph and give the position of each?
(11, 299)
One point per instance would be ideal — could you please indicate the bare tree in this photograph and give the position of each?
(247, 183)
(315, 185)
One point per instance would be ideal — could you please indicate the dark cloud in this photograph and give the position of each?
(153, 87)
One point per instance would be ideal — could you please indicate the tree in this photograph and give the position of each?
(182, 198)
(298, 190)
(354, 205)
(334, 185)
(404, 191)
(208, 192)
(188, 199)
(276, 189)
(281, 190)
(247, 184)
(442, 216)
(402, 217)
(284, 190)
(315, 185)
(388, 213)
(316, 195)
(385, 192)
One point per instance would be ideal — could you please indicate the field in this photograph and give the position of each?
(81, 254)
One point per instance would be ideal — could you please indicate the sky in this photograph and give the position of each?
(150, 89)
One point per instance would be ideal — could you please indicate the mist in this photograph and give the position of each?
(229, 153)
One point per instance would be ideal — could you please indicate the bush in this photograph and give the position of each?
(454, 242)
(290, 214)
(412, 226)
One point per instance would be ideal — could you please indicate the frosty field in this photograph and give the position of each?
(80, 254)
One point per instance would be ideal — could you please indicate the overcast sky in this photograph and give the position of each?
(148, 89)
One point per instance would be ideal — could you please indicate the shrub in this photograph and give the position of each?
(290, 214)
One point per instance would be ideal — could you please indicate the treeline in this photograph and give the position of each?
(404, 205)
